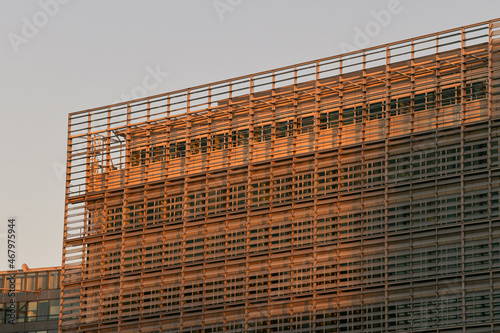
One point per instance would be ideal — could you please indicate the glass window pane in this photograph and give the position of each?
(281, 128)
(478, 90)
(419, 102)
(448, 96)
(375, 110)
(333, 117)
(181, 149)
(42, 280)
(266, 131)
(172, 150)
(43, 310)
(53, 280)
(31, 282)
(348, 116)
(431, 100)
(404, 105)
(394, 107)
(54, 309)
(20, 281)
(31, 313)
(21, 312)
(204, 144)
(307, 124)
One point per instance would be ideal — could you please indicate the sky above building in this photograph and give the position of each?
(62, 56)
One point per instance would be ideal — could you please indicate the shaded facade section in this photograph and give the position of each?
(36, 303)
(354, 193)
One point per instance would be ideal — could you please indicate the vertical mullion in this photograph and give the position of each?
(229, 140)
(463, 70)
(317, 125)
(490, 186)
(364, 103)
(248, 197)
(386, 195)
(147, 162)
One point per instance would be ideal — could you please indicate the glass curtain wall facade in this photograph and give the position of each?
(356, 193)
(37, 300)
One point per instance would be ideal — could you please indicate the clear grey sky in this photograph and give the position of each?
(61, 56)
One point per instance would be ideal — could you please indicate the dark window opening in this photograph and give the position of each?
(262, 133)
(351, 115)
(375, 111)
(138, 157)
(450, 96)
(240, 138)
(307, 124)
(284, 129)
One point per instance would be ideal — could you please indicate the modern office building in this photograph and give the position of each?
(356, 193)
(29, 300)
